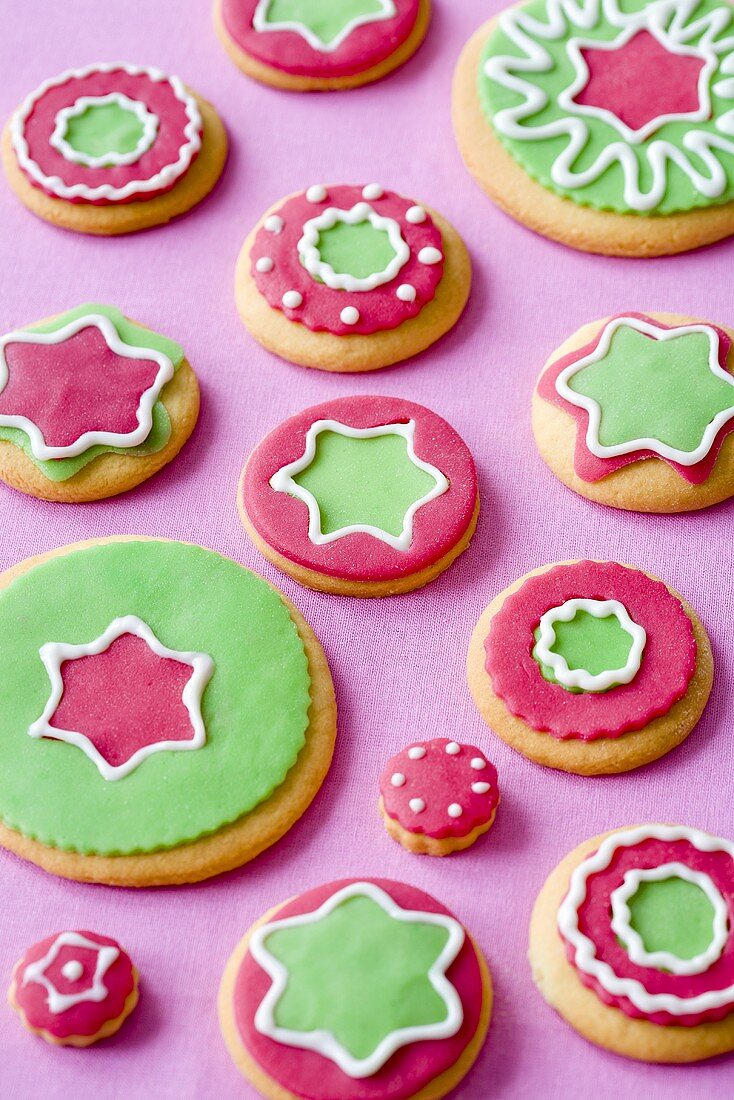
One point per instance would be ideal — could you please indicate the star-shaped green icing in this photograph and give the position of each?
(654, 389)
(324, 21)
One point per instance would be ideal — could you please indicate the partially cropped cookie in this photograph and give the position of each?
(362, 496)
(91, 404)
(439, 796)
(112, 148)
(74, 988)
(356, 989)
(605, 128)
(631, 941)
(317, 45)
(591, 667)
(346, 278)
(637, 411)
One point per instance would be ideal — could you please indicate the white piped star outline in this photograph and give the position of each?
(324, 1042)
(261, 23)
(282, 482)
(59, 1002)
(53, 654)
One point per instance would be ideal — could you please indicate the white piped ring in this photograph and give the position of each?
(580, 677)
(146, 118)
(308, 249)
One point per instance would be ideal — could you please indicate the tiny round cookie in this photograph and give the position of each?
(113, 148)
(167, 714)
(319, 46)
(344, 278)
(606, 128)
(91, 404)
(590, 667)
(671, 449)
(438, 797)
(74, 988)
(631, 941)
(362, 496)
(356, 990)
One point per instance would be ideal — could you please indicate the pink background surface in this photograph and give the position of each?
(398, 664)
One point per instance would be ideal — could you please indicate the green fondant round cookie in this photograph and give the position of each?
(165, 714)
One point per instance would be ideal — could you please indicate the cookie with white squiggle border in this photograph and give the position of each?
(631, 941)
(611, 130)
(351, 278)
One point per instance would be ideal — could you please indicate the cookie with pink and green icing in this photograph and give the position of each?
(91, 404)
(591, 667)
(351, 278)
(362, 989)
(632, 941)
(74, 988)
(668, 450)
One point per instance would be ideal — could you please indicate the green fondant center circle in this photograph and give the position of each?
(586, 642)
(672, 915)
(324, 18)
(358, 250)
(255, 707)
(104, 128)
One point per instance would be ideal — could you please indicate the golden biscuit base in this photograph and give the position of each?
(422, 845)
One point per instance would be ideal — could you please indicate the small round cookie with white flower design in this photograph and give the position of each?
(438, 796)
(351, 278)
(74, 988)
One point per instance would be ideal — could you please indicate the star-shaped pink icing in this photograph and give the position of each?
(641, 81)
(123, 697)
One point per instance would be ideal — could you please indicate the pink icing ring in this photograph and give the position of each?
(589, 466)
(282, 520)
(668, 661)
(159, 97)
(365, 47)
(440, 779)
(379, 309)
(593, 915)
(86, 1017)
(313, 1077)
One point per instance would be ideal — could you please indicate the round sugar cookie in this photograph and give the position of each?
(345, 278)
(113, 148)
(356, 990)
(438, 796)
(166, 714)
(606, 128)
(590, 666)
(631, 942)
(74, 988)
(317, 45)
(91, 404)
(636, 411)
(362, 496)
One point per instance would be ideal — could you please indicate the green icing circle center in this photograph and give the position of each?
(672, 915)
(586, 642)
(358, 250)
(104, 128)
(324, 18)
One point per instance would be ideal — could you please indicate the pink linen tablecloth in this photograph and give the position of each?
(398, 664)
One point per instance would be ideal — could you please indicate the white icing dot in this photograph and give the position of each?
(455, 810)
(480, 788)
(478, 764)
(417, 752)
(397, 779)
(349, 315)
(72, 970)
(417, 805)
(452, 748)
(264, 264)
(415, 215)
(429, 256)
(372, 191)
(317, 193)
(406, 292)
(292, 299)
(274, 224)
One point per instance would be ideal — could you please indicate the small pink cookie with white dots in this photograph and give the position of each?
(437, 797)
(74, 988)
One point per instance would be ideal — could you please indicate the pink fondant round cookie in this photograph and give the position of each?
(356, 990)
(351, 278)
(317, 45)
(590, 667)
(112, 148)
(632, 941)
(438, 797)
(364, 496)
(74, 988)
